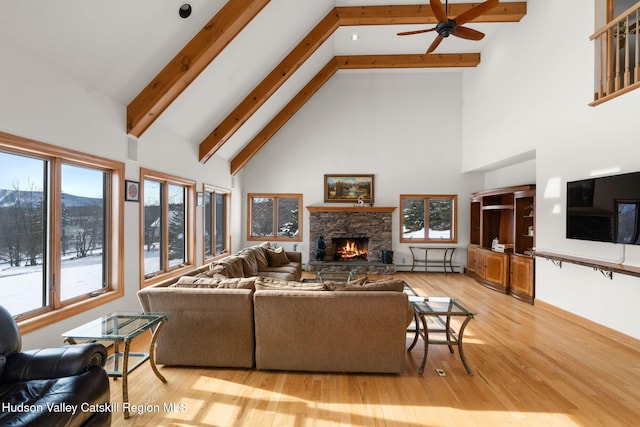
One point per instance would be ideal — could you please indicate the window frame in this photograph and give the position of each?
(227, 238)
(426, 198)
(190, 238)
(275, 196)
(56, 310)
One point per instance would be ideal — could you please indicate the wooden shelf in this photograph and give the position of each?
(497, 207)
(506, 214)
(606, 268)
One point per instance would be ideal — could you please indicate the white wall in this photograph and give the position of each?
(405, 128)
(40, 103)
(531, 93)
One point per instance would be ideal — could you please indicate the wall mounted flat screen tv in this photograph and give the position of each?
(605, 209)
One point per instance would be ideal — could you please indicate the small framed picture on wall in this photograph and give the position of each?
(131, 191)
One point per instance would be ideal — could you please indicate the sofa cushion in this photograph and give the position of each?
(359, 285)
(211, 282)
(277, 257)
(233, 266)
(215, 270)
(272, 284)
(249, 262)
(277, 274)
(261, 257)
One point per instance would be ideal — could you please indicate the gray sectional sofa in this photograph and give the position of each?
(261, 260)
(276, 324)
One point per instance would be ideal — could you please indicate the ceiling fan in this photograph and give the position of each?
(447, 27)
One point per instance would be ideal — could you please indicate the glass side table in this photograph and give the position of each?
(121, 328)
(434, 327)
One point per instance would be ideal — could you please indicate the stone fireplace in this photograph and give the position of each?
(354, 236)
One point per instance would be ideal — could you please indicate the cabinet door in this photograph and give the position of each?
(522, 278)
(480, 263)
(495, 269)
(471, 259)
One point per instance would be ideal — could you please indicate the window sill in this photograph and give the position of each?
(49, 318)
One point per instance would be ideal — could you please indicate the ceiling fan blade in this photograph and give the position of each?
(476, 11)
(468, 33)
(435, 44)
(438, 10)
(408, 33)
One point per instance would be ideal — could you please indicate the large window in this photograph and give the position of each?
(167, 224)
(275, 217)
(216, 222)
(428, 218)
(60, 230)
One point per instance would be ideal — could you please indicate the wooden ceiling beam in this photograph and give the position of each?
(261, 93)
(441, 60)
(183, 69)
(345, 62)
(422, 14)
(349, 15)
(252, 148)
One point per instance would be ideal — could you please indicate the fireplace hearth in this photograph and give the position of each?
(350, 249)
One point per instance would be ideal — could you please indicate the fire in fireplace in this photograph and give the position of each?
(350, 249)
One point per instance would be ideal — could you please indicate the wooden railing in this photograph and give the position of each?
(617, 57)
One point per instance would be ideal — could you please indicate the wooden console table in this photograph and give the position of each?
(606, 268)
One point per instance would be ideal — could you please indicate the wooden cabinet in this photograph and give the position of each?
(490, 268)
(522, 277)
(472, 253)
(508, 215)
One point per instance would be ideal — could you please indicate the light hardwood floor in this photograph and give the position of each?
(533, 366)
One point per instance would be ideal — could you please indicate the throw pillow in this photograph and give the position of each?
(385, 285)
(261, 257)
(277, 257)
(214, 271)
(232, 266)
(249, 263)
(270, 284)
(215, 283)
(333, 286)
(376, 285)
(196, 282)
(239, 283)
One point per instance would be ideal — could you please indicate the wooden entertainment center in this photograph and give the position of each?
(508, 215)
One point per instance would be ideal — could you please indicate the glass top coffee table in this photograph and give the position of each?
(122, 327)
(435, 315)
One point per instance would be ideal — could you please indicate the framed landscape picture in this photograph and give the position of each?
(348, 188)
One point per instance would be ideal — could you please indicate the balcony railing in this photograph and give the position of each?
(617, 56)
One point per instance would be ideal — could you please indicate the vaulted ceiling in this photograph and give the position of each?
(229, 76)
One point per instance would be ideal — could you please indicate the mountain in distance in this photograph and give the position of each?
(8, 198)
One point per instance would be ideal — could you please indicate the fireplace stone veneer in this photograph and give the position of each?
(336, 222)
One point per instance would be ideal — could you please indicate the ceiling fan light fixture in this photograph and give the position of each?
(185, 11)
(445, 29)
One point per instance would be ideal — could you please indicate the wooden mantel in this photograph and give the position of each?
(351, 208)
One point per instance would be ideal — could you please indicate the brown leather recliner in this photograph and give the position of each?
(62, 386)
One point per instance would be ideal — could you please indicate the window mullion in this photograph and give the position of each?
(275, 217)
(55, 231)
(164, 226)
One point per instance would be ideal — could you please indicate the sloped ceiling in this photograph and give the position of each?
(231, 74)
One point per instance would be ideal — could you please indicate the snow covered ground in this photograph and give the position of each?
(21, 287)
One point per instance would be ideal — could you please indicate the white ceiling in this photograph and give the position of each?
(119, 46)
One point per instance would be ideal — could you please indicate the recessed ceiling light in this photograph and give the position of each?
(185, 11)
(354, 37)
